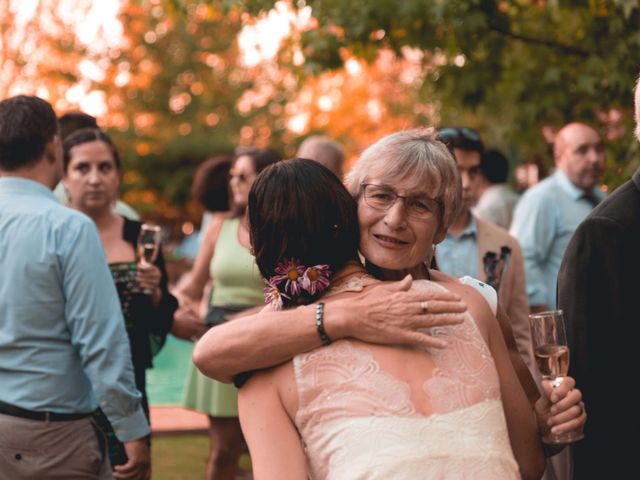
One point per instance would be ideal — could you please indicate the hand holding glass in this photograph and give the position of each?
(551, 352)
(148, 245)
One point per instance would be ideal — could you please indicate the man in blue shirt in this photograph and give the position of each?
(63, 345)
(548, 213)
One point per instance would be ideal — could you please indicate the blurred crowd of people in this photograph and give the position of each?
(336, 316)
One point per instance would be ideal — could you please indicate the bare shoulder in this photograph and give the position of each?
(275, 381)
(214, 226)
(476, 303)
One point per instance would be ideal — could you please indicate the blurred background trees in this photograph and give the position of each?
(175, 81)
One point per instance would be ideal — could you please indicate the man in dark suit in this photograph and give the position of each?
(599, 294)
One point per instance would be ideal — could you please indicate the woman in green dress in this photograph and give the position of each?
(226, 260)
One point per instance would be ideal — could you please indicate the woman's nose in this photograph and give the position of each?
(396, 216)
(94, 175)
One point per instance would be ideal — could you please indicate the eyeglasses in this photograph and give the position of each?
(241, 177)
(383, 198)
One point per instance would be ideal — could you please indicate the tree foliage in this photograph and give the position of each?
(176, 87)
(508, 68)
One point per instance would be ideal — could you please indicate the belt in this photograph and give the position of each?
(14, 411)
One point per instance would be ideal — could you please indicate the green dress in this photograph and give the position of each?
(236, 281)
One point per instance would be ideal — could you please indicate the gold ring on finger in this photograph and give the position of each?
(424, 305)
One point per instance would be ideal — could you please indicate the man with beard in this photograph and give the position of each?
(548, 213)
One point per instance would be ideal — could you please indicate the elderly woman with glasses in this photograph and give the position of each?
(399, 182)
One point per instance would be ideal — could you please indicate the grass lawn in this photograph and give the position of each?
(183, 457)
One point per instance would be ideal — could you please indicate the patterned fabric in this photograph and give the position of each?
(360, 420)
(124, 277)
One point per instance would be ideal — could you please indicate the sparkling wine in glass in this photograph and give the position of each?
(148, 243)
(551, 352)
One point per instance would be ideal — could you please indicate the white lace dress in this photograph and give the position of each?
(359, 422)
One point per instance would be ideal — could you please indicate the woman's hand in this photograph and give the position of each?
(392, 314)
(560, 409)
(187, 324)
(148, 277)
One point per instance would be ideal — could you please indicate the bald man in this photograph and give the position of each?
(323, 150)
(548, 213)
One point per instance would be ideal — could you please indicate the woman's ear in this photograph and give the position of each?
(439, 236)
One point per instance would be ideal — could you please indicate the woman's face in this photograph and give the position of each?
(241, 177)
(392, 239)
(92, 178)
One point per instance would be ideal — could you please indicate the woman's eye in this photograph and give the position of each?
(420, 205)
(382, 196)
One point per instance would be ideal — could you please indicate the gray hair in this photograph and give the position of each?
(416, 155)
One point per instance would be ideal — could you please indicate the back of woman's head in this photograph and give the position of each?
(88, 135)
(210, 185)
(298, 209)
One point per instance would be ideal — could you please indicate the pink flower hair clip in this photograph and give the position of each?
(297, 278)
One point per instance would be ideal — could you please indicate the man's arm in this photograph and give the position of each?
(97, 331)
(534, 227)
(517, 308)
(385, 314)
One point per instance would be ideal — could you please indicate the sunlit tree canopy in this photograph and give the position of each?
(176, 81)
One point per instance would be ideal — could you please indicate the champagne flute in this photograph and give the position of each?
(148, 243)
(551, 352)
(148, 246)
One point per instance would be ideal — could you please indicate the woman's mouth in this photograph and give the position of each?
(389, 240)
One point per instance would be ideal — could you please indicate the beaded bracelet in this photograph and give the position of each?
(322, 333)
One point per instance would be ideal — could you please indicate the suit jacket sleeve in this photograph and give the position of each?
(517, 306)
(590, 286)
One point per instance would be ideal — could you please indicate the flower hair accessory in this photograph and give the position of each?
(296, 278)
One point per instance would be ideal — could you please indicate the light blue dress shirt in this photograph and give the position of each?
(543, 222)
(458, 256)
(63, 344)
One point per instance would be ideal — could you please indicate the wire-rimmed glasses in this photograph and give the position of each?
(383, 197)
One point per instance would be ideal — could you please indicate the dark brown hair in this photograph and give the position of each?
(27, 125)
(210, 185)
(300, 209)
(74, 121)
(87, 135)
